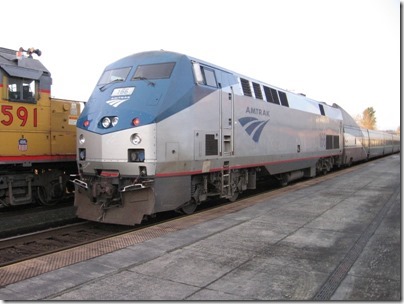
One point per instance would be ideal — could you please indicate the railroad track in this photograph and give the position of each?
(19, 248)
(32, 245)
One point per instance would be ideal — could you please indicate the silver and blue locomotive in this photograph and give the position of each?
(165, 131)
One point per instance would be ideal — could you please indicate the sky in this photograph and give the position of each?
(336, 51)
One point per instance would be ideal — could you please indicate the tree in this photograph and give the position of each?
(368, 120)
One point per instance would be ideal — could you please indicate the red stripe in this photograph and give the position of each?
(240, 166)
(38, 158)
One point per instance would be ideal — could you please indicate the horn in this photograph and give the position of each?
(38, 52)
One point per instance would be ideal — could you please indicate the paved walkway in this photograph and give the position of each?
(337, 240)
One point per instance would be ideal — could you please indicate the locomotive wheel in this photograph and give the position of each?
(234, 197)
(283, 180)
(44, 198)
(189, 207)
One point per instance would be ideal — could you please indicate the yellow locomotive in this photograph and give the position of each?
(37, 133)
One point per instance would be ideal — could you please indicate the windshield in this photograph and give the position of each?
(114, 75)
(154, 71)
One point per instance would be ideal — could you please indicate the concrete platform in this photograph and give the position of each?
(336, 240)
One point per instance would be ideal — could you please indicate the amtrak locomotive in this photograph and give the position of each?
(165, 131)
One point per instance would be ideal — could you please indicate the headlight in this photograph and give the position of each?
(135, 139)
(106, 122)
(114, 121)
(82, 140)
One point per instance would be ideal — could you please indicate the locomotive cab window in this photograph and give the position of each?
(22, 90)
(154, 71)
(114, 75)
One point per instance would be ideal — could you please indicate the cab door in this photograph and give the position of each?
(221, 82)
(226, 114)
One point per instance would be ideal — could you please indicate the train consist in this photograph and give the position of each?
(165, 131)
(38, 133)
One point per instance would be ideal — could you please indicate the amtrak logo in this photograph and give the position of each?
(116, 102)
(253, 126)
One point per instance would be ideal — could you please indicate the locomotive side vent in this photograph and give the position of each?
(245, 84)
(332, 142)
(257, 90)
(211, 145)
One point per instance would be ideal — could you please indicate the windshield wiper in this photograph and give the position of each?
(149, 82)
(102, 89)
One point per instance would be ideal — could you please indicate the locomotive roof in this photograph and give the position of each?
(297, 101)
(24, 67)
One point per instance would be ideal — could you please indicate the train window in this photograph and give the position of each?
(154, 71)
(22, 90)
(114, 75)
(257, 90)
(321, 109)
(245, 85)
(209, 76)
(284, 99)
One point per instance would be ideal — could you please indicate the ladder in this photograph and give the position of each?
(226, 178)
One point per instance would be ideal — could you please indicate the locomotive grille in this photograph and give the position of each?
(332, 142)
(211, 146)
(245, 84)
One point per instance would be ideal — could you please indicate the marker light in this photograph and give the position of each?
(86, 123)
(136, 121)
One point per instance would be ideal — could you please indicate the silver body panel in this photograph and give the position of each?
(209, 132)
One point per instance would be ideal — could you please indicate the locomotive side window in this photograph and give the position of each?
(257, 90)
(209, 76)
(114, 75)
(204, 75)
(154, 71)
(22, 90)
(245, 85)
